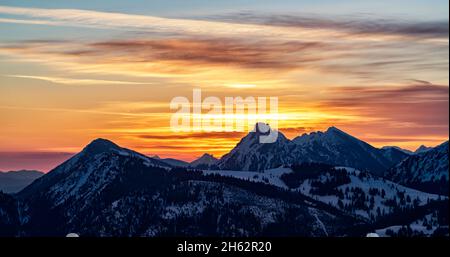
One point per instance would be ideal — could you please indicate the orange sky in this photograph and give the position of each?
(115, 75)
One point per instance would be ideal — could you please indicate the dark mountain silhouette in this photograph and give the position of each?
(427, 170)
(106, 190)
(333, 147)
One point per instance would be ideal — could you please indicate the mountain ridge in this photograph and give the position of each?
(332, 146)
(427, 170)
(107, 190)
(98, 147)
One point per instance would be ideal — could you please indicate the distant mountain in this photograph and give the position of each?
(250, 154)
(336, 147)
(395, 154)
(427, 170)
(206, 161)
(14, 181)
(333, 147)
(171, 161)
(422, 149)
(106, 190)
(175, 162)
(397, 148)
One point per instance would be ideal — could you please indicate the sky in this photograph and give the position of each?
(73, 71)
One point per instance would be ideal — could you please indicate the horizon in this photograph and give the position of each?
(71, 72)
(48, 166)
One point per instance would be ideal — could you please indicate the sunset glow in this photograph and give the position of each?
(70, 74)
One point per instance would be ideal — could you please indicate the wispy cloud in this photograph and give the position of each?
(361, 47)
(384, 80)
(419, 92)
(171, 57)
(72, 81)
(34, 22)
(355, 24)
(416, 110)
(257, 54)
(163, 26)
(86, 111)
(283, 26)
(199, 135)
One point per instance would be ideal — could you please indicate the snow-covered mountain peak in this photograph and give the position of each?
(333, 146)
(333, 129)
(251, 154)
(252, 139)
(334, 133)
(100, 145)
(336, 147)
(262, 128)
(422, 149)
(89, 171)
(331, 136)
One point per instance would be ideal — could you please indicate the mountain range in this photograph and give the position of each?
(319, 184)
(333, 147)
(426, 170)
(106, 190)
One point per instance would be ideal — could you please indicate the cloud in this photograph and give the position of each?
(86, 111)
(170, 56)
(415, 109)
(282, 26)
(142, 23)
(303, 59)
(365, 48)
(419, 92)
(72, 81)
(214, 52)
(34, 22)
(354, 24)
(199, 135)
